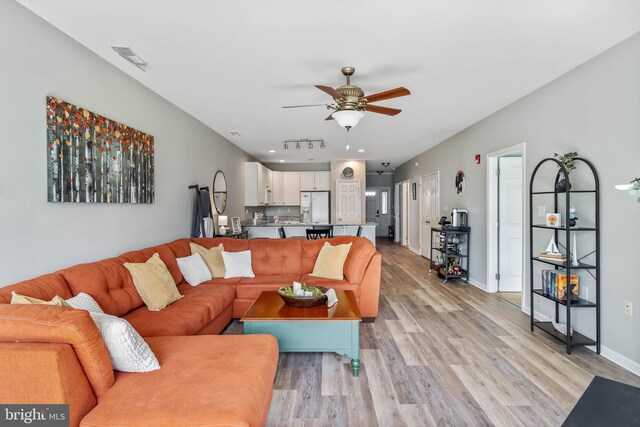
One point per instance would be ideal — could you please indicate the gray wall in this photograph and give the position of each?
(36, 236)
(595, 110)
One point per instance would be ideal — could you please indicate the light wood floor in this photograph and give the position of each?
(438, 355)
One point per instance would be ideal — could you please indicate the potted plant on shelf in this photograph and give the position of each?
(567, 160)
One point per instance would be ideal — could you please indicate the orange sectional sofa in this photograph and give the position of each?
(55, 355)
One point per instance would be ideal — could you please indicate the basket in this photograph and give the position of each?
(305, 302)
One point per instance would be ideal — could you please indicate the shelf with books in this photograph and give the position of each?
(553, 286)
(579, 302)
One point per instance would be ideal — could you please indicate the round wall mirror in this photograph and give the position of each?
(460, 182)
(220, 192)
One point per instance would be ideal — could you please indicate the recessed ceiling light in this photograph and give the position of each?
(281, 161)
(361, 150)
(272, 151)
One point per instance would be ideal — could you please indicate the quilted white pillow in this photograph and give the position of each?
(84, 301)
(128, 351)
(194, 269)
(237, 264)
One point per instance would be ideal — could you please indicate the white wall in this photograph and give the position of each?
(36, 236)
(594, 110)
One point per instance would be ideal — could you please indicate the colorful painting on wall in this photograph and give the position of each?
(93, 159)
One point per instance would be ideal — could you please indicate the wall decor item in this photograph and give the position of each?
(413, 191)
(235, 224)
(220, 192)
(92, 159)
(460, 182)
(553, 219)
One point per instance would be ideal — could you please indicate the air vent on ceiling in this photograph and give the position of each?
(131, 56)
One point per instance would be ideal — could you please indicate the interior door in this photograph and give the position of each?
(429, 209)
(510, 224)
(348, 205)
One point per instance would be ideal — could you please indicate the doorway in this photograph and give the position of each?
(377, 208)
(429, 209)
(396, 213)
(505, 223)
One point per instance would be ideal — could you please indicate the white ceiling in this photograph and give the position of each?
(233, 64)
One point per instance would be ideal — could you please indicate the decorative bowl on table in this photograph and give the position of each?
(318, 298)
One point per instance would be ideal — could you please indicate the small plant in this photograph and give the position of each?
(567, 160)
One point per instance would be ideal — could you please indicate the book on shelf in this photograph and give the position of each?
(554, 284)
(552, 256)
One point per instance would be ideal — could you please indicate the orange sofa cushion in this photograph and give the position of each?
(43, 287)
(275, 256)
(21, 323)
(230, 245)
(199, 306)
(39, 373)
(361, 252)
(251, 288)
(342, 285)
(108, 282)
(229, 383)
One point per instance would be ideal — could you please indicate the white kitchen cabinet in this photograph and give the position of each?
(257, 185)
(278, 188)
(315, 181)
(290, 188)
(322, 180)
(262, 232)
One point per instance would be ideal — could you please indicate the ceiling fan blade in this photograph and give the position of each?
(382, 110)
(331, 91)
(330, 117)
(307, 105)
(393, 93)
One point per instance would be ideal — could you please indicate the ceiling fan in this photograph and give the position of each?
(350, 101)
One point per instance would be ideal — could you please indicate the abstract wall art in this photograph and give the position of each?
(92, 159)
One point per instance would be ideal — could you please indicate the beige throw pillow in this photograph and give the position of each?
(330, 262)
(21, 299)
(212, 257)
(154, 283)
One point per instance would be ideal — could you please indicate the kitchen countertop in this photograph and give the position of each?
(250, 223)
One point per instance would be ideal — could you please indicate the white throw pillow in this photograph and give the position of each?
(237, 264)
(84, 301)
(194, 269)
(128, 351)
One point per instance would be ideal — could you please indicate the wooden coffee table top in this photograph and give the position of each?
(270, 307)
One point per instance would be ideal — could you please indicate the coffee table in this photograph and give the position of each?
(316, 329)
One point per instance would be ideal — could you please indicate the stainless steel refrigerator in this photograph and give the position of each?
(315, 207)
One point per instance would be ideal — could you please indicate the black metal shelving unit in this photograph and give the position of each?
(575, 339)
(452, 253)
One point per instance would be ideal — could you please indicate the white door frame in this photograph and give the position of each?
(406, 188)
(382, 232)
(396, 212)
(492, 214)
(437, 173)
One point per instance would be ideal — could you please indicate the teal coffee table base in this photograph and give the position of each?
(313, 329)
(342, 337)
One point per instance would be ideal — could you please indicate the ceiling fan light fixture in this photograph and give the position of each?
(348, 118)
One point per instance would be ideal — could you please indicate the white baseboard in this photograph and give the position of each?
(619, 359)
(415, 251)
(478, 285)
(606, 352)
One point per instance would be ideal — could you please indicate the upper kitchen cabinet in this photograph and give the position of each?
(257, 185)
(315, 181)
(286, 188)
